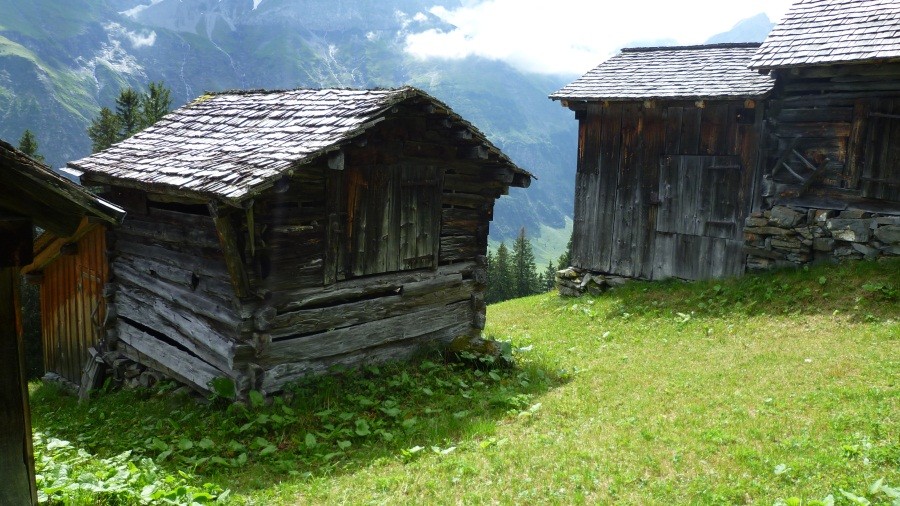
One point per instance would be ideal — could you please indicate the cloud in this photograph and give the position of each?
(573, 36)
(144, 38)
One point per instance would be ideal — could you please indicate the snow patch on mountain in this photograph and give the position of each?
(111, 55)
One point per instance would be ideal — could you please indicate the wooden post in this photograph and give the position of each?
(228, 241)
(17, 484)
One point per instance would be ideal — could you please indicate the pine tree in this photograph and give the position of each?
(548, 279)
(525, 278)
(28, 144)
(128, 110)
(134, 112)
(490, 294)
(502, 279)
(155, 104)
(104, 130)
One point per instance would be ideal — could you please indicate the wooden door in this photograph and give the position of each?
(697, 225)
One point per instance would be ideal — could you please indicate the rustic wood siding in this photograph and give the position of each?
(174, 298)
(72, 304)
(844, 121)
(620, 186)
(393, 256)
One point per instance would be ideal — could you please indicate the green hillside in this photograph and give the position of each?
(749, 391)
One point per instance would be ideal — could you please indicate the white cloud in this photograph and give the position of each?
(143, 38)
(573, 36)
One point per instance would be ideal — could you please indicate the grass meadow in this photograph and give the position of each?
(780, 388)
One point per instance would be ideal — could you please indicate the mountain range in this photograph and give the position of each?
(61, 61)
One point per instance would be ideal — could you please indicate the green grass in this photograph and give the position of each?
(743, 391)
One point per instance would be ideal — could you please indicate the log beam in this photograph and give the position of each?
(17, 485)
(228, 241)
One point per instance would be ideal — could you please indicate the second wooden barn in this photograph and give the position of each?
(277, 234)
(667, 159)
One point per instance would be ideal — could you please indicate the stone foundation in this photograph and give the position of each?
(574, 282)
(791, 237)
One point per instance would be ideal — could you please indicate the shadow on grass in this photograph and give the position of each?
(323, 426)
(864, 290)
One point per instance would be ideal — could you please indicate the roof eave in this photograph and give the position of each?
(865, 61)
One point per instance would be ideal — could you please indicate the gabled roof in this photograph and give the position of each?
(29, 188)
(714, 71)
(231, 145)
(825, 32)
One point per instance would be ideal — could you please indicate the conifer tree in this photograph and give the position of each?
(28, 144)
(548, 279)
(155, 103)
(502, 280)
(128, 109)
(104, 130)
(524, 278)
(134, 112)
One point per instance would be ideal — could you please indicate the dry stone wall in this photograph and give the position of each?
(785, 236)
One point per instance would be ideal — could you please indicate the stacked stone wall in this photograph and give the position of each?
(787, 236)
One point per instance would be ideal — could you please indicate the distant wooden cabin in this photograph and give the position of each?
(30, 195)
(667, 160)
(275, 234)
(833, 139)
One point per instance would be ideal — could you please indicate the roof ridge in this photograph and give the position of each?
(721, 45)
(264, 91)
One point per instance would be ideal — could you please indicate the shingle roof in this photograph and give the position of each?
(714, 71)
(817, 32)
(30, 188)
(233, 144)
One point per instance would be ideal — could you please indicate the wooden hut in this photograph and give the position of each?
(832, 166)
(667, 159)
(274, 234)
(30, 194)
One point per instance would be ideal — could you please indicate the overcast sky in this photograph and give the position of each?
(573, 36)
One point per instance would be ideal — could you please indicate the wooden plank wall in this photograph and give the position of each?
(72, 304)
(844, 119)
(621, 146)
(174, 293)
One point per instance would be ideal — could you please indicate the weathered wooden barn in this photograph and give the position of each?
(667, 160)
(30, 195)
(698, 162)
(831, 173)
(274, 234)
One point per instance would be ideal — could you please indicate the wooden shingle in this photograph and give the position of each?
(232, 145)
(715, 71)
(825, 32)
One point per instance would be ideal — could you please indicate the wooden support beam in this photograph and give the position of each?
(17, 485)
(228, 241)
(251, 222)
